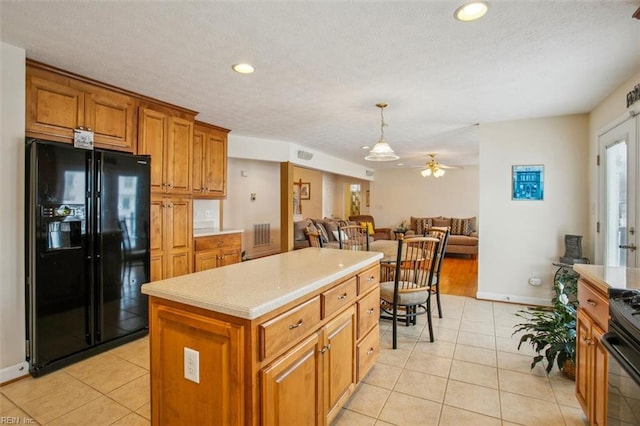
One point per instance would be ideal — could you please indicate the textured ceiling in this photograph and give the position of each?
(322, 66)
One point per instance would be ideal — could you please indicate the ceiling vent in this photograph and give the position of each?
(304, 155)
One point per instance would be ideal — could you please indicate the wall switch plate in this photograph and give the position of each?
(192, 365)
(253, 196)
(208, 214)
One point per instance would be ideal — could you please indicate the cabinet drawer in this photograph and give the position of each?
(289, 326)
(368, 312)
(368, 279)
(594, 304)
(338, 297)
(367, 352)
(216, 241)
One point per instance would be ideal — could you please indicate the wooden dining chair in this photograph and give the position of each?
(405, 292)
(441, 233)
(313, 237)
(353, 237)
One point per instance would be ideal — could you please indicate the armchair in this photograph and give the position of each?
(378, 233)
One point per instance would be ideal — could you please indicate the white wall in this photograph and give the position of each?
(610, 109)
(522, 238)
(251, 148)
(313, 206)
(263, 179)
(397, 194)
(12, 124)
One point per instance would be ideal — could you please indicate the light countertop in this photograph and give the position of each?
(610, 276)
(254, 288)
(207, 232)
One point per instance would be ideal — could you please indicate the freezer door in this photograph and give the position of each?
(58, 254)
(122, 244)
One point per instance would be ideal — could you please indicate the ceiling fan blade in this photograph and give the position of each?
(444, 166)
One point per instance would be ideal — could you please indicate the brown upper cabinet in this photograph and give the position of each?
(209, 161)
(169, 140)
(57, 104)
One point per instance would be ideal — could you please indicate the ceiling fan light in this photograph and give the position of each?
(425, 172)
(438, 173)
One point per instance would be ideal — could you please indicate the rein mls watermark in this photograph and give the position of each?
(16, 420)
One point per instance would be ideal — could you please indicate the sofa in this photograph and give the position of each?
(463, 238)
(324, 227)
(328, 229)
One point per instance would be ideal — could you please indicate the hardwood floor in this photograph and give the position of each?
(459, 276)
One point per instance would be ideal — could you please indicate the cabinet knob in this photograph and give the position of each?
(370, 351)
(591, 302)
(342, 296)
(370, 311)
(371, 278)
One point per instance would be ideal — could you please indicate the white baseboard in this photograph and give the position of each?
(13, 372)
(513, 299)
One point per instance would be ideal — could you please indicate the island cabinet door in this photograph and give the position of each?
(292, 386)
(583, 329)
(211, 391)
(339, 362)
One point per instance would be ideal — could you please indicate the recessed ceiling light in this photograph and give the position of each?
(365, 147)
(243, 68)
(400, 164)
(471, 11)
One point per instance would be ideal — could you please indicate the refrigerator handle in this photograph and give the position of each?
(99, 285)
(89, 232)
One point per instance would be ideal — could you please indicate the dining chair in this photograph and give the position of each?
(441, 233)
(313, 237)
(405, 287)
(353, 237)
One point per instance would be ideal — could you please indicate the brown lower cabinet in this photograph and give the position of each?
(592, 359)
(215, 251)
(296, 365)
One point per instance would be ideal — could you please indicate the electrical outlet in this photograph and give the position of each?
(192, 365)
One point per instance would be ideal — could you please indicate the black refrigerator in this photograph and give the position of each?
(87, 251)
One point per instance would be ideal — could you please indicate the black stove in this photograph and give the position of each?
(622, 341)
(624, 308)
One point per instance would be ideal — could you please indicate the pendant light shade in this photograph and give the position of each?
(381, 150)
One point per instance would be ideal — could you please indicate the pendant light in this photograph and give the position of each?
(381, 151)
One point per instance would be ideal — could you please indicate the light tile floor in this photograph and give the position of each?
(472, 374)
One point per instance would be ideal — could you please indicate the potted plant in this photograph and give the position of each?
(402, 228)
(551, 330)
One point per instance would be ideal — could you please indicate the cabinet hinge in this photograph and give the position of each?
(27, 349)
(598, 227)
(598, 160)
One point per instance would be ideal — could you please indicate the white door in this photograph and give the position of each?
(617, 216)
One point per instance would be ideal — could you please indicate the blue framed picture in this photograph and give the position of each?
(528, 183)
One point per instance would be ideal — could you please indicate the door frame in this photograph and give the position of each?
(625, 127)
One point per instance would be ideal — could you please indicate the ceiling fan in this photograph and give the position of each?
(433, 167)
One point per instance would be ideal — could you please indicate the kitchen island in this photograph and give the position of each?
(592, 358)
(283, 339)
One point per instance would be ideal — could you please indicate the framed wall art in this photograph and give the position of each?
(305, 190)
(527, 182)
